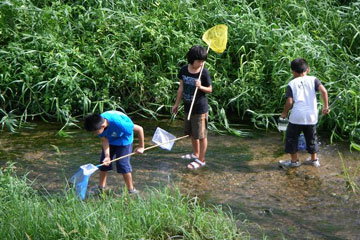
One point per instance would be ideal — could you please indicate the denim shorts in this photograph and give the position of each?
(292, 138)
(122, 165)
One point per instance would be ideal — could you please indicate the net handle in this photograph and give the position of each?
(148, 148)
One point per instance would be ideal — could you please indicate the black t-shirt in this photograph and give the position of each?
(201, 103)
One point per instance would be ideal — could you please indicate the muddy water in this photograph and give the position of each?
(301, 203)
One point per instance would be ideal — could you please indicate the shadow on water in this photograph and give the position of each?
(301, 203)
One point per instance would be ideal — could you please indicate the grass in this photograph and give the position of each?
(62, 59)
(349, 178)
(157, 214)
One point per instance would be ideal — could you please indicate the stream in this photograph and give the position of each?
(241, 174)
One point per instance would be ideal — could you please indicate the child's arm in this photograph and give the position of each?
(287, 107)
(178, 97)
(106, 147)
(140, 132)
(324, 95)
(204, 83)
(203, 88)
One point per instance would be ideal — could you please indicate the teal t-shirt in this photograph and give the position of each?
(120, 131)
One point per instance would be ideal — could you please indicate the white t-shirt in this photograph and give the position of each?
(304, 110)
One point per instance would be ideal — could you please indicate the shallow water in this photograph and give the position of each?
(301, 203)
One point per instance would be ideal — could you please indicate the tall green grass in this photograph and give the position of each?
(63, 59)
(159, 214)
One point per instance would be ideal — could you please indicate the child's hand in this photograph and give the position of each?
(106, 161)
(283, 120)
(175, 109)
(325, 111)
(139, 150)
(197, 83)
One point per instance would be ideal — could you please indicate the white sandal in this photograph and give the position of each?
(196, 164)
(189, 156)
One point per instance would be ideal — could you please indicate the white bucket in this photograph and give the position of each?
(282, 124)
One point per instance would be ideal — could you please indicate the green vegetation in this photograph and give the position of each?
(349, 178)
(62, 59)
(160, 214)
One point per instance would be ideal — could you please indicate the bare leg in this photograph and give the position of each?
(196, 146)
(203, 147)
(128, 181)
(294, 157)
(313, 156)
(102, 179)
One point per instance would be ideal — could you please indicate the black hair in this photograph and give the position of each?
(93, 122)
(299, 65)
(196, 53)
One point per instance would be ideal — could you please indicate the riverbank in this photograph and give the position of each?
(155, 214)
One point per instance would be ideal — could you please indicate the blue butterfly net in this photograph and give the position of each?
(81, 179)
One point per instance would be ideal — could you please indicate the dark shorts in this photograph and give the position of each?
(122, 165)
(292, 138)
(197, 125)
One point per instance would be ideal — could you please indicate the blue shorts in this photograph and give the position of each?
(292, 138)
(122, 165)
